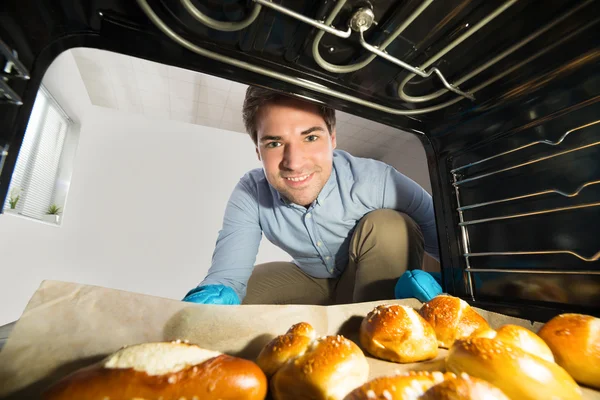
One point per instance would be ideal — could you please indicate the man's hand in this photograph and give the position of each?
(419, 284)
(212, 294)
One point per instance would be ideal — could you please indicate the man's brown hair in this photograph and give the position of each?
(257, 97)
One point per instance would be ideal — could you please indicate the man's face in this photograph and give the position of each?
(296, 149)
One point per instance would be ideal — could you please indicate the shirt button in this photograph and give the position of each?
(308, 215)
(319, 244)
(327, 257)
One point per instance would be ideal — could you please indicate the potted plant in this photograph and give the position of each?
(13, 199)
(53, 214)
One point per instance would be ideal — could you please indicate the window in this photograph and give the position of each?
(34, 178)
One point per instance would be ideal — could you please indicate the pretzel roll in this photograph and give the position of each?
(165, 370)
(330, 368)
(427, 386)
(398, 333)
(520, 375)
(518, 336)
(464, 387)
(575, 342)
(285, 347)
(451, 318)
(410, 385)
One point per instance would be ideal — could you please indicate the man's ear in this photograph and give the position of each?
(257, 153)
(333, 139)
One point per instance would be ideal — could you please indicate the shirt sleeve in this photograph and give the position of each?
(238, 241)
(405, 195)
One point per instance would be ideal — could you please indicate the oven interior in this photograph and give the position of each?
(504, 96)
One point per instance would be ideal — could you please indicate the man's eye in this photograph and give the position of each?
(271, 145)
(312, 138)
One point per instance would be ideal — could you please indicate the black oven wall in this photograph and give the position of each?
(521, 185)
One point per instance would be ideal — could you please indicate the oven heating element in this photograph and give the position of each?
(361, 21)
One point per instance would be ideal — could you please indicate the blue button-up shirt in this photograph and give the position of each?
(317, 237)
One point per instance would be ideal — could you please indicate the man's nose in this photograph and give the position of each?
(293, 157)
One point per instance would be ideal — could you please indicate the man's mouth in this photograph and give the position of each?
(300, 178)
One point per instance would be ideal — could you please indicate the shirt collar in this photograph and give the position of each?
(329, 186)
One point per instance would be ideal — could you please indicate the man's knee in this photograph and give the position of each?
(384, 219)
(282, 283)
(260, 271)
(386, 234)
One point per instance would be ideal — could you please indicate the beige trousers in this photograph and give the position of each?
(384, 245)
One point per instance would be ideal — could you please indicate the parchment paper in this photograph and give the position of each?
(67, 326)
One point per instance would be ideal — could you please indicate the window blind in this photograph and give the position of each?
(39, 157)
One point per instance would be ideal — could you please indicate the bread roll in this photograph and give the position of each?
(165, 370)
(427, 386)
(410, 385)
(451, 318)
(520, 337)
(306, 368)
(575, 341)
(520, 375)
(285, 347)
(398, 333)
(464, 387)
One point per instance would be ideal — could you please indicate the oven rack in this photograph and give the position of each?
(8, 96)
(525, 196)
(361, 21)
(464, 224)
(595, 257)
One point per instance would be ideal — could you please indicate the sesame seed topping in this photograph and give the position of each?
(437, 376)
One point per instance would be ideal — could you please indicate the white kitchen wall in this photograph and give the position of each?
(145, 205)
(410, 159)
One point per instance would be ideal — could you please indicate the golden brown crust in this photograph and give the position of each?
(303, 329)
(280, 350)
(520, 375)
(486, 332)
(331, 367)
(464, 387)
(424, 385)
(399, 387)
(575, 342)
(525, 339)
(217, 378)
(398, 333)
(301, 366)
(451, 319)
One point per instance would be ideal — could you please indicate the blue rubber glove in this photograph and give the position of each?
(419, 284)
(212, 294)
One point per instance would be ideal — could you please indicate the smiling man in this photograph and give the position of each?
(352, 226)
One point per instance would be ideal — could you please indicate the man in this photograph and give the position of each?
(353, 226)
